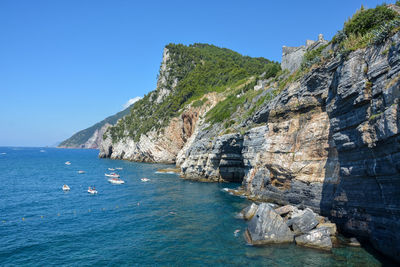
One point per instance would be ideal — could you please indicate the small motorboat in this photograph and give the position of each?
(116, 181)
(66, 188)
(111, 169)
(92, 190)
(112, 175)
(80, 172)
(118, 168)
(67, 163)
(145, 179)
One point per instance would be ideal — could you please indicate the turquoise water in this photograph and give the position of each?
(166, 221)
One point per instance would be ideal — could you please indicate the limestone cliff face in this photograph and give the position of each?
(96, 139)
(154, 147)
(330, 142)
(163, 145)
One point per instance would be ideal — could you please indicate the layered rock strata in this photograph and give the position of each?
(329, 142)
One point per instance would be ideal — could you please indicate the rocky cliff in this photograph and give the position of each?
(324, 137)
(329, 141)
(192, 79)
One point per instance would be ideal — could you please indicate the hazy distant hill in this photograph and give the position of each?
(90, 137)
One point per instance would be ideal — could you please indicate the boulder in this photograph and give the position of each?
(303, 221)
(285, 209)
(331, 226)
(249, 211)
(318, 238)
(267, 227)
(321, 219)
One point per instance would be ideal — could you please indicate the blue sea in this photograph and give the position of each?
(166, 221)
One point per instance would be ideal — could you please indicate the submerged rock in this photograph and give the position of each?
(318, 238)
(267, 227)
(303, 221)
(169, 170)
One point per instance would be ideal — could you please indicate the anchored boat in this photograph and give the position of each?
(92, 190)
(112, 175)
(116, 181)
(65, 188)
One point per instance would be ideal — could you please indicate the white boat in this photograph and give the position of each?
(92, 190)
(112, 175)
(118, 168)
(116, 181)
(111, 169)
(145, 179)
(65, 188)
(81, 172)
(67, 163)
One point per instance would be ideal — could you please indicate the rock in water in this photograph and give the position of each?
(303, 222)
(318, 238)
(331, 226)
(249, 211)
(267, 227)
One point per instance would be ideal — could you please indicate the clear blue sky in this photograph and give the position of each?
(65, 65)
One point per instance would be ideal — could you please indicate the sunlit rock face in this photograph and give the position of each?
(329, 142)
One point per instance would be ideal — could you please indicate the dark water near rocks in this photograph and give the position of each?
(166, 221)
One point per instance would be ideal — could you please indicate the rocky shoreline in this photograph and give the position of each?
(328, 141)
(286, 224)
(269, 223)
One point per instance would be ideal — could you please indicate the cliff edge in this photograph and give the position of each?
(322, 135)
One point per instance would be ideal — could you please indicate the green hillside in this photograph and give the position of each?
(199, 69)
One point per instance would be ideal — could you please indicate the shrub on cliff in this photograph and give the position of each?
(367, 19)
(312, 57)
(366, 27)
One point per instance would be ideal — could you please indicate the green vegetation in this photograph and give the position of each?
(200, 102)
(375, 116)
(312, 57)
(367, 27)
(224, 109)
(365, 20)
(198, 70)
